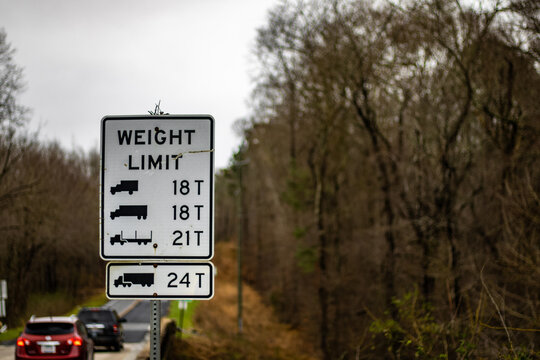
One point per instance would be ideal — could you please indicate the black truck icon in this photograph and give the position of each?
(144, 279)
(126, 185)
(119, 238)
(140, 211)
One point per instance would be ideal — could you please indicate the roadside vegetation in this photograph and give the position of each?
(185, 320)
(54, 304)
(48, 211)
(388, 184)
(214, 333)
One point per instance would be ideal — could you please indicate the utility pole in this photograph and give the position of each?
(240, 216)
(239, 252)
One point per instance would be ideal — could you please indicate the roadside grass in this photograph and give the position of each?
(48, 304)
(215, 323)
(10, 334)
(98, 299)
(174, 314)
(54, 304)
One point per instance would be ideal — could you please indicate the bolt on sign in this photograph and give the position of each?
(157, 187)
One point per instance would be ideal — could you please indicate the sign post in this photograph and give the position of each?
(155, 330)
(157, 205)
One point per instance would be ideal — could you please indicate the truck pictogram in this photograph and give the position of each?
(140, 211)
(119, 238)
(144, 279)
(126, 185)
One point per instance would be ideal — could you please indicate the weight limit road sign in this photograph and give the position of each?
(160, 281)
(157, 187)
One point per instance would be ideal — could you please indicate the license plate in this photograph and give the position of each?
(48, 349)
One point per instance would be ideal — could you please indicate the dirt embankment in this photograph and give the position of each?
(216, 327)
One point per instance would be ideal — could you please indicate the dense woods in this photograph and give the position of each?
(388, 185)
(48, 206)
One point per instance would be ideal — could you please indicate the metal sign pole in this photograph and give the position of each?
(155, 324)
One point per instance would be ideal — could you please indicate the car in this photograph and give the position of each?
(54, 338)
(104, 326)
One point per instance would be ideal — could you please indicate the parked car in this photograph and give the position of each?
(104, 326)
(54, 337)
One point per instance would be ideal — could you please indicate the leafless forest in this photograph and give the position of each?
(387, 190)
(48, 206)
(388, 186)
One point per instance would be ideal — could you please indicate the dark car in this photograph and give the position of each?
(54, 338)
(104, 326)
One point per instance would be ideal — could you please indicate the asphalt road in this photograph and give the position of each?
(136, 330)
(7, 352)
(138, 321)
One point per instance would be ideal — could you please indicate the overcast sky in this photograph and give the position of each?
(83, 60)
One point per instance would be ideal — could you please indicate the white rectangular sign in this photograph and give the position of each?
(3, 298)
(160, 281)
(157, 187)
(3, 289)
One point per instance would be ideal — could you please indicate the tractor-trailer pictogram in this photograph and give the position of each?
(126, 185)
(120, 239)
(143, 279)
(140, 211)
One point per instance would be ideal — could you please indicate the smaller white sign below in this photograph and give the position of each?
(3, 311)
(160, 281)
(3, 289)
(183, 304)
(3, 297)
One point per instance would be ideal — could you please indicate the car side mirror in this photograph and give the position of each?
(122, 320)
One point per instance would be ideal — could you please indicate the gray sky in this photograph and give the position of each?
(83, 60)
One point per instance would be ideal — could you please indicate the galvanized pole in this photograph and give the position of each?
(155, 325)
(240, 209)
(155, 317)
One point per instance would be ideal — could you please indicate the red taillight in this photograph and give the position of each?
(115, 328)
(77, 341)
(22, 341)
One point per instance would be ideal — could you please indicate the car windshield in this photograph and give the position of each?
(49, 328)
(96, 316)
